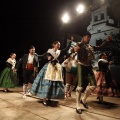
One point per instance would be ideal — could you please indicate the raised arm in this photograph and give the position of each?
(63, 51)
(103, 45)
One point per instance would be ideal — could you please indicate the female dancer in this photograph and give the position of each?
(49, 82)
(102, 76)
(70, 65)
(8, 77)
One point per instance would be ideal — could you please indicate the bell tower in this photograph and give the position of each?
(101, 25)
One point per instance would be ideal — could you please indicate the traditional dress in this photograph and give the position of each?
(8, 78)
(29, 63)
(85, 71)
(103, 79)
(70, 65)
(49, 81)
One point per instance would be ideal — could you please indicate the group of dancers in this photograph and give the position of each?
(48, 83)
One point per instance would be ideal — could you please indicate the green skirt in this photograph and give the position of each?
(8, 78)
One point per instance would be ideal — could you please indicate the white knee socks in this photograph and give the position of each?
(28, 87)
(87, 93)
(78, 96)
(24, 88)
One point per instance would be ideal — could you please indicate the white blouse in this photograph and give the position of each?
(12, 62)
(54, 53)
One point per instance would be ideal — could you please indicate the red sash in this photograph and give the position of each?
(30, 66)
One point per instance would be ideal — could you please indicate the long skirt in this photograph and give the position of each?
(44, 88)
(8, 78)
(102, 86)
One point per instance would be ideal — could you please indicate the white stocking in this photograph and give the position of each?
(78, 97)
(71, 89)
(24, 88)
(87, 93)
(67, 87)
(28, 87)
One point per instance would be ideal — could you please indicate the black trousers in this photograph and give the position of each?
(28, 76)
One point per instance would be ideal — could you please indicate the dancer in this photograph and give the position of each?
(102, 76)
(70, 65)
(84, 72)
(49, 82)
(8, 77)
(30, 64)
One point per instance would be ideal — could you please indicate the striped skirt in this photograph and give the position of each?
(8, 78)
(44, 88)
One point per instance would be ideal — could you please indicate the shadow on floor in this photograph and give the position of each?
(8, 91)
(50, 103)
(107, 105)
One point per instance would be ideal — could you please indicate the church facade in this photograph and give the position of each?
(101, 25)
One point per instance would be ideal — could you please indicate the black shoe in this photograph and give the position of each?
(5, 90)
(78, 111)
(8, 91)
(49, 101)
(98, 97)
(84, 104)
(44, 103)
(101, 102)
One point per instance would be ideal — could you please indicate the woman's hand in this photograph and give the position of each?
(14, 70)
(49, 57)
(65, 63)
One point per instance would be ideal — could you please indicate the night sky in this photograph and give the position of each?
(38, 22)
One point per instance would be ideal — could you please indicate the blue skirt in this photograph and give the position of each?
(46, 88)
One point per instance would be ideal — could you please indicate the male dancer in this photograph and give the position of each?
(84, 72)
(30, 64)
